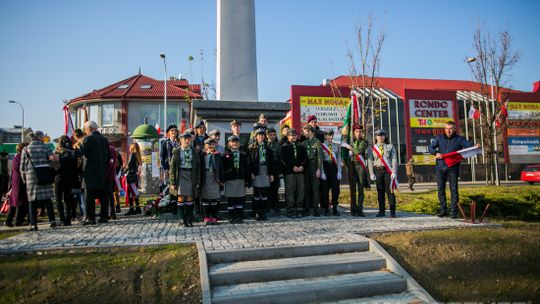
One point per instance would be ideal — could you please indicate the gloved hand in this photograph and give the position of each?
(373, 178)
(339, 176)
(323, 176)
(350, 153)
(393, 176)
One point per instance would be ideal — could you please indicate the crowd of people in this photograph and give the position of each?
(199, 172)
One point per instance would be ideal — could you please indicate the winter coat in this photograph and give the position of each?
(443, 144)
(19, 196)
(95, 152)
(68, 172)
(39, 153)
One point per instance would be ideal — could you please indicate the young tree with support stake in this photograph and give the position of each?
(491, 68)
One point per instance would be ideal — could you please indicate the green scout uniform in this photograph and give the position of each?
(312, 183)
(359, 148)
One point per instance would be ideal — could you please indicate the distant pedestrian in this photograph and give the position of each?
(133, 171)
(95, 153)
(110, 177)
(39, 190)
(382, 162)
(409, 170)
(442, 144)
(18, 201)
(65, 180)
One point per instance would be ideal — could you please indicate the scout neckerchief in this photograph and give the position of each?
(262, 153)
(393, 182)
(236, 159)
(187, 157)
(210, 161)
(330, 152)
(294, 149)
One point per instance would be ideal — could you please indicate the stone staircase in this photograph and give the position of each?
(332, 273)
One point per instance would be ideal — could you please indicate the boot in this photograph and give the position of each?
(181, 214)
(137, 209)
(239, 216)
(335, 212)
(118, 210)
(189, 215)
(131, 211)
(326, 211)
(231, 216)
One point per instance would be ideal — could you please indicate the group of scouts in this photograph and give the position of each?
(198, 168)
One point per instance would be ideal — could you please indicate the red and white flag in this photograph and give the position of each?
(474, 113)
(454, 158)
(158, 129)
(68, 123)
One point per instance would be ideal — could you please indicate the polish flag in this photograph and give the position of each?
(158, 129)
(68, 123)
(454, 158)
(474, 113)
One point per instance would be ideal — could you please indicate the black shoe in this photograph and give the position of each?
(131, 212)
(113, 216)
(326, 212)
(290, 214)
(361, 214)
(453, 216)
(316, 213)
(263, 217)
(118, 209)
(138, 210)
(53, 225)
(380, 214)
(335, 212)
(392, 215)
(88, 222)
(442, 214)
(35, 228)
(354, 213)
(9, 224)
(67, 223)
(103, 220)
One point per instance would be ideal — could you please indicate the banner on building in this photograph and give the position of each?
(427, 120)
(523, 130)
(330, 112)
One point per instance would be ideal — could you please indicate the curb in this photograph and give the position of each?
(412, 286)
(203, 270)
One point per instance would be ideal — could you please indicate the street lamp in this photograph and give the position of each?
(165, 92)
(22, 126)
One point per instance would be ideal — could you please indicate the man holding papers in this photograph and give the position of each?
(449, 149)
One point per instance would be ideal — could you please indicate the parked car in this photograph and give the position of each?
(531, 174)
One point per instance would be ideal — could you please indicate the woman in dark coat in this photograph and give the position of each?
(18, 200)
(65, 180)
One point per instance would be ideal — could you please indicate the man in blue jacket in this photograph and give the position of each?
(442, 144)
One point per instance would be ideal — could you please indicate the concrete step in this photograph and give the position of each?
(294, 268)
(281, 252)
(397, 298)
(320, 289)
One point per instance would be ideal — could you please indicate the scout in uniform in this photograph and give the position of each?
(200, 136)
(237, 177)
(167, 147)
(284, 134)
(184, 178)
(274, 145)
(235, 129)
(261, 161)
(331, 174)
(358, 150)
(382, 162)
(293, 161)
(211, 181)
(216, 135)
(313, 171)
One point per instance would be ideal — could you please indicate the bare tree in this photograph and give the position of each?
(492, 69)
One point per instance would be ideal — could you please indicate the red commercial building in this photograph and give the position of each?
(413, 111)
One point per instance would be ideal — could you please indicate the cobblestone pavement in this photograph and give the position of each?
(277, 231)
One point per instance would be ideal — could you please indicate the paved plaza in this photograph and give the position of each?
(277, 231)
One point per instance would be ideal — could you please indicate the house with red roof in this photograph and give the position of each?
(122, 106)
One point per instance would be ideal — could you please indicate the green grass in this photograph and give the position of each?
(4, 234)
(483, 265)
(114, 275)
(506, 202)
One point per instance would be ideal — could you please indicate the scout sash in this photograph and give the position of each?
(393, 181)
(359, 158)
(330, 153)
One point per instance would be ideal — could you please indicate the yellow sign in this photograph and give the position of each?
(429, 122)
(523, 106)
(423, 159)
(524, 110)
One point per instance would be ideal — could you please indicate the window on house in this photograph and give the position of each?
(123, 86)
(107, 115)
(146, 86)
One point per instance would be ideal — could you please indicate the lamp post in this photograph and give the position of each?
(165, 93)
(22, 125)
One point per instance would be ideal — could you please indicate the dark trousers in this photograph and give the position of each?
(273, 197)
(294, 192)
(90, 198)
(109, 191)
(360, 181)
(260, 199)
(17, 213)
(383, 187)
(64, 197)
(330, 184)
(312, 185)
(412, 180)
(450, 174)
(33, 210)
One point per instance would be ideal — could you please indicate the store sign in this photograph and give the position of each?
(523, 130)
(330, 112)
(108, 130)
(427, 120)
